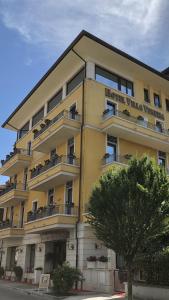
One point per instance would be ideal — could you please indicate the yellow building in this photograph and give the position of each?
(94, 108)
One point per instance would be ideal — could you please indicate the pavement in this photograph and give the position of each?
(21, 291)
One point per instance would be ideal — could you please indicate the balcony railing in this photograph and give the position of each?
(110, 158)
(141, 122)
(15, 152)
(13, 186)
(54, 161)
(7, 224)
(51, 210)
(48, 123)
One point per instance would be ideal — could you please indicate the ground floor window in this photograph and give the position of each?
(31, 258)
(13, 257)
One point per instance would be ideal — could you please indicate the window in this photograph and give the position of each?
(157, 102)
(111, 149)
(50, 196)
(73, 112)
(52, 153)
(29, 146)
(111, 108)
(13, 257)
(167, 104)
(76, 80)
(54, 101)
(161, 158)
(23, 130)
(70, 150)
(38, 116)
(69, 197)
(146, 96)
(114, 81)
(34, 206)
(159, 126)
(31, 258)
(107, 78)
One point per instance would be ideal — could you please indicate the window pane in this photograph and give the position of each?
(75, 81)
(106, 78)
(167, 104)
(130, 88)
(123, 86)
(54, 101)
(23, 130)
(39, 115)
(146, 95)
(157, 100)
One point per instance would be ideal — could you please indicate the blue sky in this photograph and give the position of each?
(33, 33)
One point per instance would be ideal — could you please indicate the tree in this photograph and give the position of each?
(128, 210)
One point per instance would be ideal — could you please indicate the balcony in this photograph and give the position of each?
(125, 126)
(7, 230)
(54, 172)
(12, 194)
(15, 162)
(50, 218)
(62, 127)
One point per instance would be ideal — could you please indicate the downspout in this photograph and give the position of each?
(81, 160)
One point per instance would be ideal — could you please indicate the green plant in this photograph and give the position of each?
(91, 258)
(18, 272)
(132, 203)
(64, 278)
(1, 272)
(103, 258)
(39, 269)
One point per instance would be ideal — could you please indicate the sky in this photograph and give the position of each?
(34, 33)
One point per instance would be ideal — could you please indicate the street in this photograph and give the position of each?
(18, 291)
(8, 293)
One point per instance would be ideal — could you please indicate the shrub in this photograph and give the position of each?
(18, 272)
(91, 258)
(64, 278)
(1, 272)
(103, 258)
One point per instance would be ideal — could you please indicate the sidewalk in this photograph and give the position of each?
(33, 290)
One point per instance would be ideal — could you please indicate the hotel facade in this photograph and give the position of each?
(94, 109)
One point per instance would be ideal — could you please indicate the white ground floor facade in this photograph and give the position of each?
(45, 250)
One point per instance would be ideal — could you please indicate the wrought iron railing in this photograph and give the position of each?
(141, 122)
(15, 152)
(51, 210)
(48, 123)
(54, 161)
(13, 186)
(110, 158)
(8, 224)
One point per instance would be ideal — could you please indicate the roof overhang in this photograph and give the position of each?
(90, 48)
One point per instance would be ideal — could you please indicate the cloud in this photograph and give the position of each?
(132, 25)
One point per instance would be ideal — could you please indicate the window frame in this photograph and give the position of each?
(60, 91)
(73, 77)
(119, 79)
(35, 115)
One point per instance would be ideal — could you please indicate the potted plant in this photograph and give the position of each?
(18, 272)
(37, 274)
(102, 262)
(126, 112)
(141, 120)
(47, 121)
(42, 125)
(35, 131)
(91, 262)
(1, 272)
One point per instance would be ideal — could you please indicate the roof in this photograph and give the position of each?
(70, 47)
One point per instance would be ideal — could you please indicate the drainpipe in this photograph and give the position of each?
(81, 160)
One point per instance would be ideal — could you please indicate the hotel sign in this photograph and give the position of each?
(127, 101)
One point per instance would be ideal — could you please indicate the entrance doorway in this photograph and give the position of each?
(55, 254)
(59, 250)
